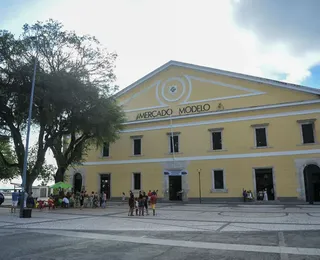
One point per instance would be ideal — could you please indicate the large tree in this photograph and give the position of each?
(73, 96)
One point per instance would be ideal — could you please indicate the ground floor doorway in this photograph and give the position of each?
(175, 187)
(105, 184)
(77, 182)
(264, 182)
(311, 175)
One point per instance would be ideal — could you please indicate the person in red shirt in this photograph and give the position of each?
(153, 201)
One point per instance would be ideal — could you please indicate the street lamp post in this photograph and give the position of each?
(199, 171)
(25, 162)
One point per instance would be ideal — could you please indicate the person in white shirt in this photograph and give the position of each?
(65, 202)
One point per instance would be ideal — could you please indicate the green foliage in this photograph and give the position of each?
(7, 161)
(73, 96)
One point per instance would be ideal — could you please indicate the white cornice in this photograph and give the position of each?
(236, 110)
(209, 157)
(220, 72)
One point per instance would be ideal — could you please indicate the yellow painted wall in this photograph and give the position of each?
(238, 176)
(283, 134)
(238, 137)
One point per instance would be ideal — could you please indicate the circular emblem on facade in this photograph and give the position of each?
(173, 89)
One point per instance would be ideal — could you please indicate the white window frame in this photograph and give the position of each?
(213, 189)
(307, 122)
(103, 156)
(216, 130)
(136, 137)
(259, 126)
(169, 142)
(132, 181)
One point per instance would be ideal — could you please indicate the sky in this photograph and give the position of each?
(276, 39)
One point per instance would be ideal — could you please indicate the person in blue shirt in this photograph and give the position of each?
(15, 199)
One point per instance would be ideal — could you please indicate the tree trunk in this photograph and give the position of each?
(29, 182)
(60, 173)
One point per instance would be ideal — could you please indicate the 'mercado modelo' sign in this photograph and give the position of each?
(168, 112)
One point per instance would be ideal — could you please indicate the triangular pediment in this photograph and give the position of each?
(175, 85)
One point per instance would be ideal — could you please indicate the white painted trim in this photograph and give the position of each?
(222, 84)
(209, 157)
(227, 120)
(213, 181)
(190, 88)
(221, 98)
(236, 110)
(219, 72)
(155, 84)
(132, 181)
(164, 85)
(145, 108)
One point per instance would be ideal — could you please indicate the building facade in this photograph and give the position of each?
(199, 133)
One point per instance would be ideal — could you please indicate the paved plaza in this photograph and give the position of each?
(211, 231)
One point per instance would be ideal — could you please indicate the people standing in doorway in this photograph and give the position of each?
(153, 201)
(265, 195)
(15, 199)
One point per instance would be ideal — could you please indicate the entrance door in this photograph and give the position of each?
(105, 184)
(264, 181)
(175, 186)
(312, 182)
(77, 182)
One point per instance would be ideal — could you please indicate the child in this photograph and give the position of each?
(141, 205)
(137, 206)
(153, 201)
(123, 196)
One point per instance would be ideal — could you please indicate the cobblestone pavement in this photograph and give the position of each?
(217, 231)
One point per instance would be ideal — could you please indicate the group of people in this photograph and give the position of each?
(16, 199)
(141, 203)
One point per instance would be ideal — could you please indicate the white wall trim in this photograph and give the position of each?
(222, 84)
(155, 84)
(236, 110)
(219, 72)
(145, 108)
(222, 98)
(227, 120)
(209, 157)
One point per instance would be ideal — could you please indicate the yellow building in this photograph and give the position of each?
(210, 133)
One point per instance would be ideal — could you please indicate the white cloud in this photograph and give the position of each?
(147, 34)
